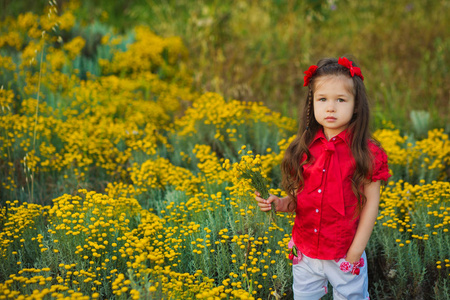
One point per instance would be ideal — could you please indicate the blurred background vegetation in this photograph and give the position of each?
(258, 50)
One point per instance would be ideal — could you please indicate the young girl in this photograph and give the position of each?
(332, 173)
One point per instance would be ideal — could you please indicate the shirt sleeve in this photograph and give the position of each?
(380, 169)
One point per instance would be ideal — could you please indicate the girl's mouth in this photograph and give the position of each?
(330, 118)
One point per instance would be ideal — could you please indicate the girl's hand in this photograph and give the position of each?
(265, 204)
(352, 257)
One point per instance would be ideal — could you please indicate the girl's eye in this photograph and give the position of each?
(340, 100)
(322, 99)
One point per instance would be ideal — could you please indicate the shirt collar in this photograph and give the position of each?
(344, 136)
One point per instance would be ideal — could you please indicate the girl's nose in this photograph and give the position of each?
(330, 107)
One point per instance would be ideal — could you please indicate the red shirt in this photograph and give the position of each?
(324, 225)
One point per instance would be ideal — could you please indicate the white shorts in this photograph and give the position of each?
(311, 278)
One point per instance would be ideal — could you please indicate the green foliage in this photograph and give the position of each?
(420, 122)
(259, 50)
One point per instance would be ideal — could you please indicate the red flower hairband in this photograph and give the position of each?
(309, 73)
(343, 61)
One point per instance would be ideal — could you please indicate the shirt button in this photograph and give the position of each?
(315, 230)
(323, 170)
(317, 210)
(320, 191)
(334, 139)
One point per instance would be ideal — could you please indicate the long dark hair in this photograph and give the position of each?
(358, 128)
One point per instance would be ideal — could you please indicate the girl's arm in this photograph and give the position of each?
(367, 220)
(281, 204)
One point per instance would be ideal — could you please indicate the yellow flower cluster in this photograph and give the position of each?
(70, 136)
(417, 216)
(402, 203)
(74, 47)
(159, 173)
(6, 99)
(428, 157)
(30, 26)
(209, 165)
(393, 144)
(229, 118)
(437, 149)
(15, 221)
(146, 54)
(6, 64)
(97, 233)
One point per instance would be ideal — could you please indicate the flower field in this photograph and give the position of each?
(119, 181)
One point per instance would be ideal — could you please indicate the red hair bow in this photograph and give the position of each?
(343, 61)
(309, 73)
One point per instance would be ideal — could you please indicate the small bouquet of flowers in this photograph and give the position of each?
(250, 169)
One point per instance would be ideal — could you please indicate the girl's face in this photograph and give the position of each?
(334, 103)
